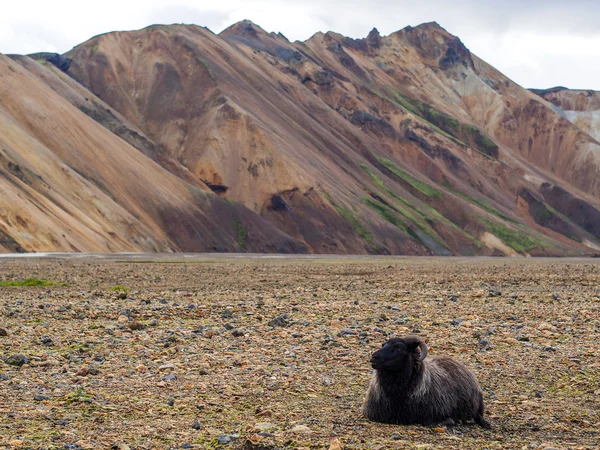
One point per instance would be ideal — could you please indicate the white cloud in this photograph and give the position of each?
(537, 43)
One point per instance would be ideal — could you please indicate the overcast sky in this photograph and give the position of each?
(537, 43)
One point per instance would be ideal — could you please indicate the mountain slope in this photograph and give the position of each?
(399, 144)
(70, 184)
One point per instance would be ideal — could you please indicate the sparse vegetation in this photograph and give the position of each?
(517, 240)
(29, 282)
(420, 186)
(118, 288)
(358, 227)
(240, 231)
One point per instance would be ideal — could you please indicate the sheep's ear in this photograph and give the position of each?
(416, 345)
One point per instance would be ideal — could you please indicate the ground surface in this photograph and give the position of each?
(208, 366)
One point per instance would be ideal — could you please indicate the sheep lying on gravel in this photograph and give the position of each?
(407, 389)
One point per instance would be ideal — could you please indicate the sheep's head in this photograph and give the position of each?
(399, 353)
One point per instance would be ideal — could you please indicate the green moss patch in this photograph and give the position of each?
(240, 231)
(30, 282)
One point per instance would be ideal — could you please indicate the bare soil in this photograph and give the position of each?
(188, 356)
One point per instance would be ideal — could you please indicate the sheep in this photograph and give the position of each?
(407, 389)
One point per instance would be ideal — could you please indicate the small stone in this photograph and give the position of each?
(237, 333)
(170, 377)
(166, 366)
(264, 426)
(458, 321)
(521, 338)
(83, 371)
(228, 326)
(17, 360)
(549, 349)
(227, 438)
(135, 325)
(46, 340)
(454, 299)
(122, 295)
(556, 296)
(94, 369)
(346, 332)
(40, 398)
(171, 402)
(301, 429)
(495, 292)
(539, 394)
(3, 332)
(484, 343)
(227, 314)
(283, 320)
(196, 425)
(123, 319)
(336, 445)
(16, 443)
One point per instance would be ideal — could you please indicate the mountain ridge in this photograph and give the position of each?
(406, 143)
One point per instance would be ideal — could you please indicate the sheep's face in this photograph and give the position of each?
(397, 354)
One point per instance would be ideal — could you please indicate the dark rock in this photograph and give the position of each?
(283, 320)
(16, 360)
(62, 62)
(40, 398)
(495, 292)
(196, 425)
(61, 423)
(228, 326)
(458, 321)
(227, 438)
(171, 401)
(237, 333)
(122, 295)
(556, 296)
(170, 377)
(227, 314)
(374, 39)
(73, 447)
(522, 338)
(346, 332)
(539, 394)
(549, 349)
(135, 325)
(3, 332)
(46, 340)
(454, 298)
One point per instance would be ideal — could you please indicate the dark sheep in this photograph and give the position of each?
(408, 389)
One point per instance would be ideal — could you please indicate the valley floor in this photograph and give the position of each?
(181, 351)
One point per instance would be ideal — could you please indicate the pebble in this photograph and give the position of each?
(170, 377)
(3, 332)
(83, 371)
(40, 398)
(283, 320)
(237, 333)
(301, 429)
(123, 319)
(227, 438)
(46, 340)
(135, 325)
(346, 332)
(17, 360)
(196, 425)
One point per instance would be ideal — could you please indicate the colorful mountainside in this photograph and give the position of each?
(173, 138)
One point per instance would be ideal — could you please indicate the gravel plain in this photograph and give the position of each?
(272, 353)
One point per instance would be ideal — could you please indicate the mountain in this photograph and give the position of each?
(580, 107)
(173, 138)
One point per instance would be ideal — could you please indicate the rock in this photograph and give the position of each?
(46, 340)
(135, 325)
(16, 443)
(336, 445)
(17, 360)
(549, 349)
(454, 299)
(522, 338)
(227, 314)
(458, 321)
(83, 371)
(3, 332)
(171, 402)
(40, 398)
(228, 326)
(73, 447)
(283, 320)
(123, 319)
(170, 377)
(556, 296)
(495, 292)
(196, 425)
(237, 333)
(227, 438)
(346, 332)
(166, 366)
(301, 429)
(264, 426)
(94, 369)
(122, 295)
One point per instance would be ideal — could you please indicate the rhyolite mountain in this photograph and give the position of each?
(173, 138)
